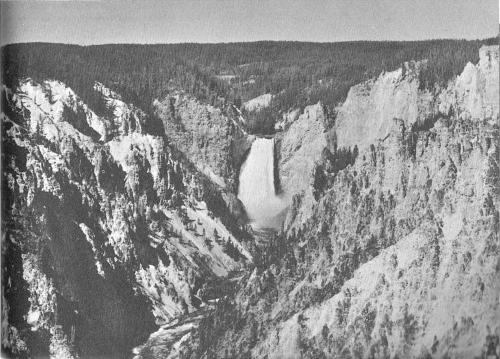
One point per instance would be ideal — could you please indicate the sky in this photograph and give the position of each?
(172, 21)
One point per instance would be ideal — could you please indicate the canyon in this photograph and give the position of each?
(369, 230)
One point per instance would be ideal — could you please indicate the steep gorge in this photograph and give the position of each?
(110, 231)
(392, 249)
(123, 240)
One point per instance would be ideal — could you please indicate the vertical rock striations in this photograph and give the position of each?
(109, 230)
(399, 256)
(392, 250)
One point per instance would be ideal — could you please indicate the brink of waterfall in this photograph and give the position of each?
(257, 186)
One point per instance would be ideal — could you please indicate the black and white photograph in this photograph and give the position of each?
(250, 179)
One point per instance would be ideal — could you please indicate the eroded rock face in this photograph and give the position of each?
(299, 148)
(213, 141)
(258, 103)
(390, 247)
(398, 254)
(110, 230)
(430, 230)
(367, 113)
(407, 237)
(475, 92)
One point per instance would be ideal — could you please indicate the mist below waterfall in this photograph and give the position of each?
(257, 186)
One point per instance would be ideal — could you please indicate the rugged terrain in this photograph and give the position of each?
(109, 230)
(391, 249)
(125, 241)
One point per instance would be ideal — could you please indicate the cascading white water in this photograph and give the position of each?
(256, 186)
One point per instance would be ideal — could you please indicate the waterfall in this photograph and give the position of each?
(256, 186)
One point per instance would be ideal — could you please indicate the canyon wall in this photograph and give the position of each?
(118, 237)
(402, 246)
(109, 230)
(391, 246)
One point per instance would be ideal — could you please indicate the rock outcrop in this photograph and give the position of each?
(299, 149)
(213, 141)
(402, 249)
(396, 254)
(109, 230)
(365, 116)
(390, 247)
(258, 103)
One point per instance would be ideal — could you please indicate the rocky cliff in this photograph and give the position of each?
(408, 234)
(122, 239)
(299, 148)
(393, 249)
(211, 139)
(109, 230)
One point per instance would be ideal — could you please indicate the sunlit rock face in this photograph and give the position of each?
(109, 230)
(301, 146)
(210, 138)
(257, 186)
(213, 140)
(408, 234)
(258, 102)
(366, 114)
(395, 253)
(300, 149)
(475, 92)
(398, 254)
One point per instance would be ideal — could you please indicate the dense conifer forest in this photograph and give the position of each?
(297, 73)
